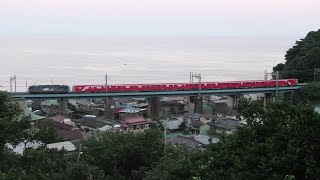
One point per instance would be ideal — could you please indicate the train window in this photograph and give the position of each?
(139, 86)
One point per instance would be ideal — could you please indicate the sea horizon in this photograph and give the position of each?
(86, 60)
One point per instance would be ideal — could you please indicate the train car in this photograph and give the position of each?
(49, 89)
(183, 86)
(89, 88)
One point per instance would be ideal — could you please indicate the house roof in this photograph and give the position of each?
(222, 108)
(61, 125)
(27, 112)
(225, 123)
(140, 105)
(105, 128)
(67, 145)
(196, 123)
(132, 110)
(134, 120)
(69, 135)
(194, 116)
(117, 109)
(203, 139)
(317, 109)
(86, 103)
(189, 142)
(173, 123)
(57, 118)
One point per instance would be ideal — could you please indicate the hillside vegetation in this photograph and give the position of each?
(302, 59)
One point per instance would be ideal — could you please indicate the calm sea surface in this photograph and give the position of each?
(136, 60)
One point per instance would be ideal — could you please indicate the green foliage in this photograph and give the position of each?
(177, 163)
(308, 93)
(47, 135)
(302, 58)
(281, 142)
(83, 172)
(121, 155)
(11, 129)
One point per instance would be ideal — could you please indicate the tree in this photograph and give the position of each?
(11, 129)
(47, 134)
(122, 155)
(177, 163)
(308, 93)
(302, 58)
(282, 141)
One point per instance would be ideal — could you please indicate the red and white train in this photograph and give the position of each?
(183, 86)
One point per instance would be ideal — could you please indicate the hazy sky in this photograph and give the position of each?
(158, 17)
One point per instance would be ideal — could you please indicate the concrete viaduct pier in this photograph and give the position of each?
(63, 106)
(153, 107)
(197, 104)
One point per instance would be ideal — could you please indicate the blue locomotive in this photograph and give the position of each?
(50, 89)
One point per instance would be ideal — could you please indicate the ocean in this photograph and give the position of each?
(72, 61)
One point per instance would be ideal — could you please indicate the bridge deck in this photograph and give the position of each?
(157, 93)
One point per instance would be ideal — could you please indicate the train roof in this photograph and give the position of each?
(144, 84)
(47, 85)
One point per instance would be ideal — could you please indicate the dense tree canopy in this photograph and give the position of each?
(124, 155)
(11, 130)
(308, 93)
(302, 58)
(278, 143)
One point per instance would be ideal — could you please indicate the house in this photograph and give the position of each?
(66, 145)
(26, 111)
(132, 112)
(193, 142)
(173, 123)
(87, 107)
(222, 124)
(223, 110)
(68, 135)
(116, 112)
(61, 123)
(50, 107)
(141, 105)
(196, 122)
(62, 119)
(189, 142)
(135, 124)
(194, 116)
(173, 107)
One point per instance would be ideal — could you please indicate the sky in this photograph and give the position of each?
(37, 18)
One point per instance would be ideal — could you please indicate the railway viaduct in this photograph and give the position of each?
(153, 97)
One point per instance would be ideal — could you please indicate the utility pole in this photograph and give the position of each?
(15, 83)
(10, 84)
(80, 148)
(165, 128)
(13, 78)
(26, 85)
(277, 82)
(106, 100)
(191, 77)
(198, 76)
